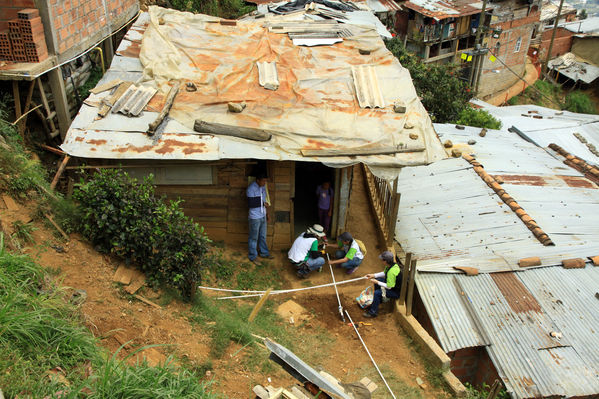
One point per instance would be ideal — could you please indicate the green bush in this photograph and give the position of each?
(478, 118)
(579, 102)
(220, 8)
(443, 93)
(122, 215)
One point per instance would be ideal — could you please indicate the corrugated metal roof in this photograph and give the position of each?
(453, 326)
(549, 10)
(569, 66)
(439, 9)
(588, 25)
(314, 107)
(367, 87)
(545, 126)
(530, 362)
(383, 5)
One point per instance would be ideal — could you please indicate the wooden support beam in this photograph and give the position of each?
(341, 152)
(61, 168)
(49, 114)
(23, 122)
(52, 149)
(57, 227)
(60, 100)
(392, 221)
(410, 295)
(495, 389)
(170, 98)
(17, 98)
(248, 133)
(404, 278)
(259, 305)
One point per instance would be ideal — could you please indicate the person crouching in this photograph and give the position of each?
(388, 280)
(305, 252)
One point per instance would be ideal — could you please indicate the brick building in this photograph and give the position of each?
(70, 27)
(518, 23)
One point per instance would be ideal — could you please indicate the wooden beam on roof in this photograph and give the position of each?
(339, 152)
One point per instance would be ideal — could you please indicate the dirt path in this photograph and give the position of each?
(117, 320)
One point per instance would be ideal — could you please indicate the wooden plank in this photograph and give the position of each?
(338, 152)
(248, 133)
(63, 165)
(11, 205)
(106, 86)
(136, 284)
(57, 227)
(259, 305)
(147, 301)
(168, 103)
(123, 274)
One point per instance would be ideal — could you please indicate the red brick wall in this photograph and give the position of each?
(473, 365)
(561, 44)
(76, 20)
(9, 9)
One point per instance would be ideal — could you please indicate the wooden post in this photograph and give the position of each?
(392, 217)
(60, 100)
(495, 388)
(61, 168)
(404, 278)
(21, 125)
(410, 297)
(49, 114)
(17, 97)
(259, 305)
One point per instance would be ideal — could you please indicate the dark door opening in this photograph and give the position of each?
(308, 176)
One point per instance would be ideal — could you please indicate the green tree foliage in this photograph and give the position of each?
(582, 14)
(579, 102)
(220, 8)
(478, 118)
(443, 93)
(122, 215)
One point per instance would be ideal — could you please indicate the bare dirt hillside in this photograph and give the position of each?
(117, 318)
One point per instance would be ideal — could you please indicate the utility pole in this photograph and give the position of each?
(476, 61)
(559, 12)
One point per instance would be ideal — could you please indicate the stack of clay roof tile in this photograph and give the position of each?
(591, 172)
(509, 201)
(24, 41)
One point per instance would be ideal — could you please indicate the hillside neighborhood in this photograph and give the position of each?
(299, 199)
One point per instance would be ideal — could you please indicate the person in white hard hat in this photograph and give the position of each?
(305, 253)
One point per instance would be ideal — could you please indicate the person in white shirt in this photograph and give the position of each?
(305, 253)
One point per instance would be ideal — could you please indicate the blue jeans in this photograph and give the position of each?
(350, 264)
(312, 264)
(257, 237)
(378, 296)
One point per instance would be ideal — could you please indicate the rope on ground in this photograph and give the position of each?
(369, 355)
(259, 293)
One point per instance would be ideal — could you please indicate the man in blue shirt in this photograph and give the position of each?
(258, 217)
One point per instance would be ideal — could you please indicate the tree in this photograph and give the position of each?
(442, 92)
(583, 14)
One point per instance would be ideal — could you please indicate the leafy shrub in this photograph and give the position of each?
(579, 102)
(220, 8)
(443, 93)
(478, 118)
(121, 215)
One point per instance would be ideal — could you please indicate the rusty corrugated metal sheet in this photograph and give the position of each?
(439, 9)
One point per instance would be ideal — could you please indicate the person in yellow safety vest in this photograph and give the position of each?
(349, 255)
(388, 280)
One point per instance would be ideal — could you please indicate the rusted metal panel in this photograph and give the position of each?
(439, 9)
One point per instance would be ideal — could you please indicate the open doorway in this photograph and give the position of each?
(308, 176)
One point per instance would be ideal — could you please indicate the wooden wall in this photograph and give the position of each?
(222, 207)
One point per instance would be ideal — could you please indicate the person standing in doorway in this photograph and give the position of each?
(258, 218)
(324, 192)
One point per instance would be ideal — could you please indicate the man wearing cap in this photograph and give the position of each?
(304, 252)
(388, 280)
(349, 255)
(257, 218)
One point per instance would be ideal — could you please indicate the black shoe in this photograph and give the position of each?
(302, 275)
(369, 315)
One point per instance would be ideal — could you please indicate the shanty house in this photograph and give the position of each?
(323, 108)
(507, 245)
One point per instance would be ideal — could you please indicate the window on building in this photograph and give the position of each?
(518, 44)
